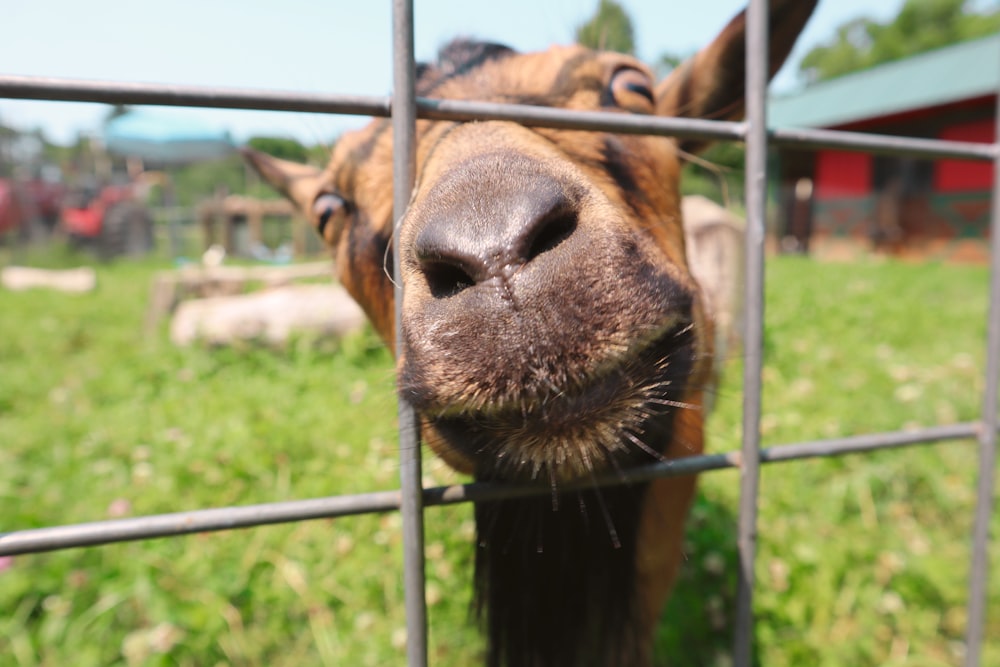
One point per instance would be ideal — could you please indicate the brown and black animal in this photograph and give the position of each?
(551, 327)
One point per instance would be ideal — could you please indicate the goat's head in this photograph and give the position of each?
(551, 327)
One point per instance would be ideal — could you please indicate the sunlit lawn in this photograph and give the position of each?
(862, 561)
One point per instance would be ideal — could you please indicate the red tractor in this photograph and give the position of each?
(109, 219)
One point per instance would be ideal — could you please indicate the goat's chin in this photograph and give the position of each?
(618, 418)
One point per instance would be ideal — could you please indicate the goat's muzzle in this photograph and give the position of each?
(541, 328)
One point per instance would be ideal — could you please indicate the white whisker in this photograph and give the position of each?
(612, 531)
(644, 447)
(674, 404)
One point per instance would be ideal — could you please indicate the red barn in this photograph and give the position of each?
(837, 202)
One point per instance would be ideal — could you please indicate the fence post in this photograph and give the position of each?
(978, 570)
(756, 202)
(404, 114)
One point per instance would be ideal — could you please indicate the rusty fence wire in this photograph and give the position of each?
(411, 498)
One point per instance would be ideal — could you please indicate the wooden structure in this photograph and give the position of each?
(221, 217)
(837, 203)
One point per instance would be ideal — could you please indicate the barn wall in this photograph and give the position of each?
(943, 215)
(842, 174)
(966, 175)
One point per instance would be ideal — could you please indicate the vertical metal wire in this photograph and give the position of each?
(404, 115)
(756, 203)
(987, 435)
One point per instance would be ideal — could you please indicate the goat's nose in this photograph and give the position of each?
(480, 229)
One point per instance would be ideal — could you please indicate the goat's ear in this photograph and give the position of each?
(299, 183)
(711, 84)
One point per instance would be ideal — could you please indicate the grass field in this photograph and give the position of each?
(862, 561)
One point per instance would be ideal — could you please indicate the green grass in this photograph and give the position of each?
(862, 559)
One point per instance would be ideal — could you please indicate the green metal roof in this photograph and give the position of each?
(950, 74)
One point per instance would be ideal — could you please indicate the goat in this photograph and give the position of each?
(551, 327)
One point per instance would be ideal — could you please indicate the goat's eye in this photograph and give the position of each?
(329, 210)
(632, 90)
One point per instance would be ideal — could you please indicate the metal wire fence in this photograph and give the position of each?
(411, 498)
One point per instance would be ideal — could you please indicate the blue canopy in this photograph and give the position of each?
(166, 137)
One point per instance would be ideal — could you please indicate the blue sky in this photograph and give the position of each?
(307, 45)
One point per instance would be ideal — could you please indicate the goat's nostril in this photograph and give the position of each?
(549, 232)
(471, 230)
(446, 279)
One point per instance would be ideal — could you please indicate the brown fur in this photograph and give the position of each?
(551, 327)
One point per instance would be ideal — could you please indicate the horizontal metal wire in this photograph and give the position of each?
(697, 128)
(77, 90)
(159, 94)
(229, 518)
(882, 144)
(600, 121)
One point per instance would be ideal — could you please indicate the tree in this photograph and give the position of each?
(921, 25)
(117, 111)
(319, 154)
(610, 29)
(280, 147)
(667, 63)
